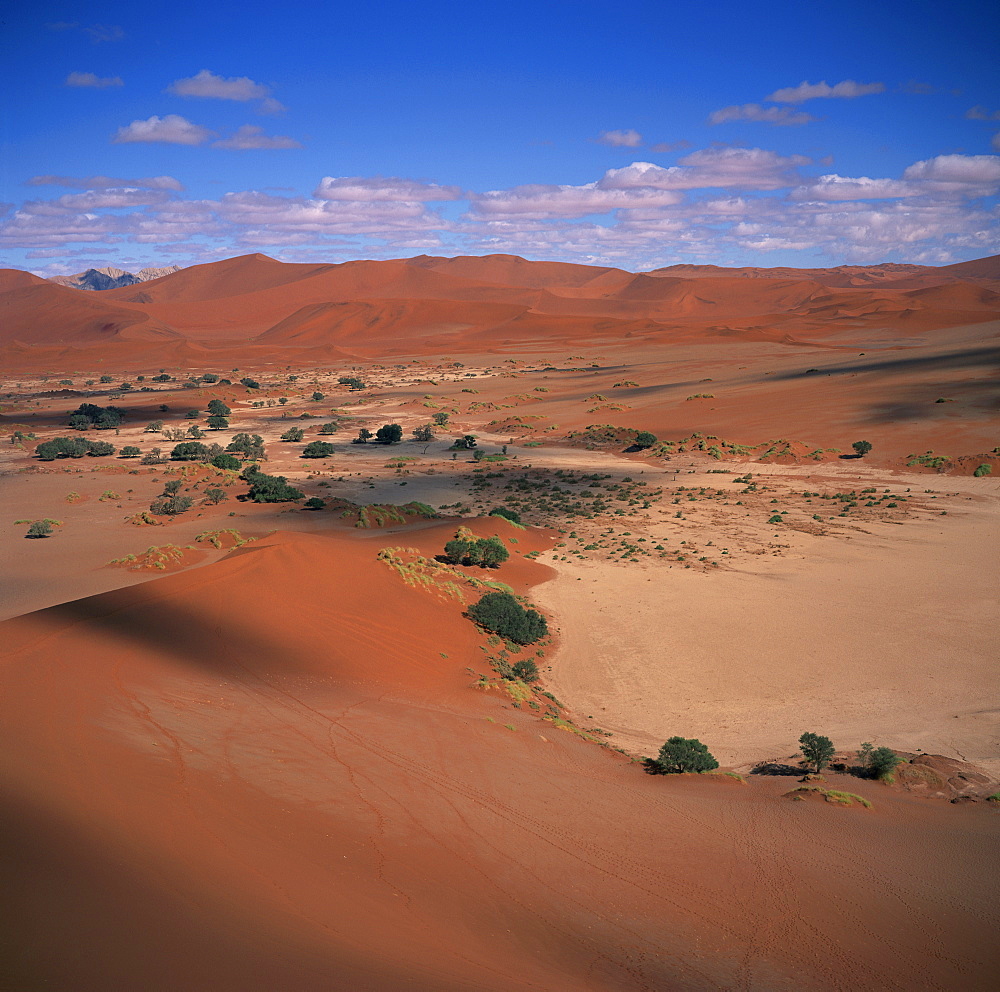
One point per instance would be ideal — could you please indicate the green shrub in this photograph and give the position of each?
(272, 489)
(681, 754)
(225, 461)
(817, 750)
(984, 469)
(39, 528)
(503, 511)
(501, 613)
(389, 434)
(318, 449)
(130, 451)
(293, 434)
(644, 439)
(189, 451)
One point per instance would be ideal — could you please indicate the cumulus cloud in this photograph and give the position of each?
(620, 139)
(105, 182)
(958, 170)
(848, 89)
(171, 129)
(382, 188)
(545, 201)
(89, 79)
(980, 113)
(739, 168)
(835, 188)
(252, 138)
(271, 107)
(207, 85)
(781, 116)
(112, 199)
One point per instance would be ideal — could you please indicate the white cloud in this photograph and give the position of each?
(105, 182)
(539, 201)
(620, 139)
(112, 199)
(848, 89)
(171, 129)
(740, 168)
(271, 107)
(782, 116)
(980, 113)
(209, 86)
(88, 79)
(958, 170)
(382, 188)
(252, 138)
(836, 188)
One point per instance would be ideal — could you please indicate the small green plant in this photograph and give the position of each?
(984, 469)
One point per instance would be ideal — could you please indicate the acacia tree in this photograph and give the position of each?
(217, 408)
(389, 434)
(817, 750)
(862, 448)
(682, 754)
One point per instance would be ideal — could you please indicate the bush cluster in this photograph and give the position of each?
(487, 552)
(72, 447)
(89, 415)
(501, 613)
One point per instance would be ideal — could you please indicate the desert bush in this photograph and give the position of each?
(195, 432)
(507, 514)
(216, 408)
(984, 469)
(102, 417)
(250, 383)
(153, 427)
(218, 423)
(293, 434)
(501, 613)
(644, 439)
(878, 762)
(318, 396)
(525, 670)
(215, 495)
(189, 451)
(389, 434)
(249, 445)
(681, 754)
(171, 506)
(39, 528)
(351, 381)
(330, 428)
(424, 433)
(440, 418)
(225, 461)
(315, 503)
(467, 442)
(192, 414)
(364, 435)
(318, 449)
(130, 451)
(817, 750)
(271, 489)
(862, 448)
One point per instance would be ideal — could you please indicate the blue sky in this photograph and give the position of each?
(637, 135)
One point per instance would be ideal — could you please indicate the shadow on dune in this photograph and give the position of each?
(966, 358)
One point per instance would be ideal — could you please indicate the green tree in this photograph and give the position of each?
(817, 750)
(251, 446)
(100, 449)
(228, 462)
(424, 433)
(250, 383)
(501, 613)
(507, 514)
(878, 762)
(330, 428)
(130, 451)
(293, 434)
(389, 434)
(192, 414)
(218, 423)
(493, 552)
(682, 754)
(153, 427)
(171, 506)
(644, 439)
(364, 435)
(216, 408)
(467, 442)
(62, 447)
(525, 670)
(318, 396)
(195, 432)
(352, 382)
(189, 451)
(862, 448)
(440, 418)
(215, 495)
(318, 449)
(315, 503)
(272, 489)
(456, 550)
(39, 528)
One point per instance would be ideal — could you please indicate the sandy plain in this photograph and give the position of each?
(286, 766)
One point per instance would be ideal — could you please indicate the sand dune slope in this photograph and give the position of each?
(203, 794)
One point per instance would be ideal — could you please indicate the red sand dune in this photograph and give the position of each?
(203, 794)
(474, 303)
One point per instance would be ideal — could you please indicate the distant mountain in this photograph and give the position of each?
(112, 278)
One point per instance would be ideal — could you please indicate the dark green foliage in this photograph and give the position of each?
(40, 528)
(525, 670)
(817, 750)
(227, 462)
(272, 489)
(218, 423)
(194, 431)
(130, 451)
(985, 469)
(862, 448)
(878, 762)
(215, 495)
(100, 448)
(153, 427)
(315, 503)
(172, 488)
(171, 506)
(351, 381)
(162, 377)
(504, 615)
(189, 451)
(467, 442)
(440, 418)
(317, 396)
(318, 449)
(488, 552)
(644, 439)
(249, 445)
(293, 434)
(682, 754)
(507, 514)
(102, 417)
(389, 434)
(363, 436)
(216, 408)
(106, 378)
(209, 377)
(423, 433)
(250, 383)
(62, 447)
(493, 552)
(330, 428)
(192, 414)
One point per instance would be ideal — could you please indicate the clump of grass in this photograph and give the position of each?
(834, 795)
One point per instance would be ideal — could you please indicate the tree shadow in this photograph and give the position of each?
(776, 768)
